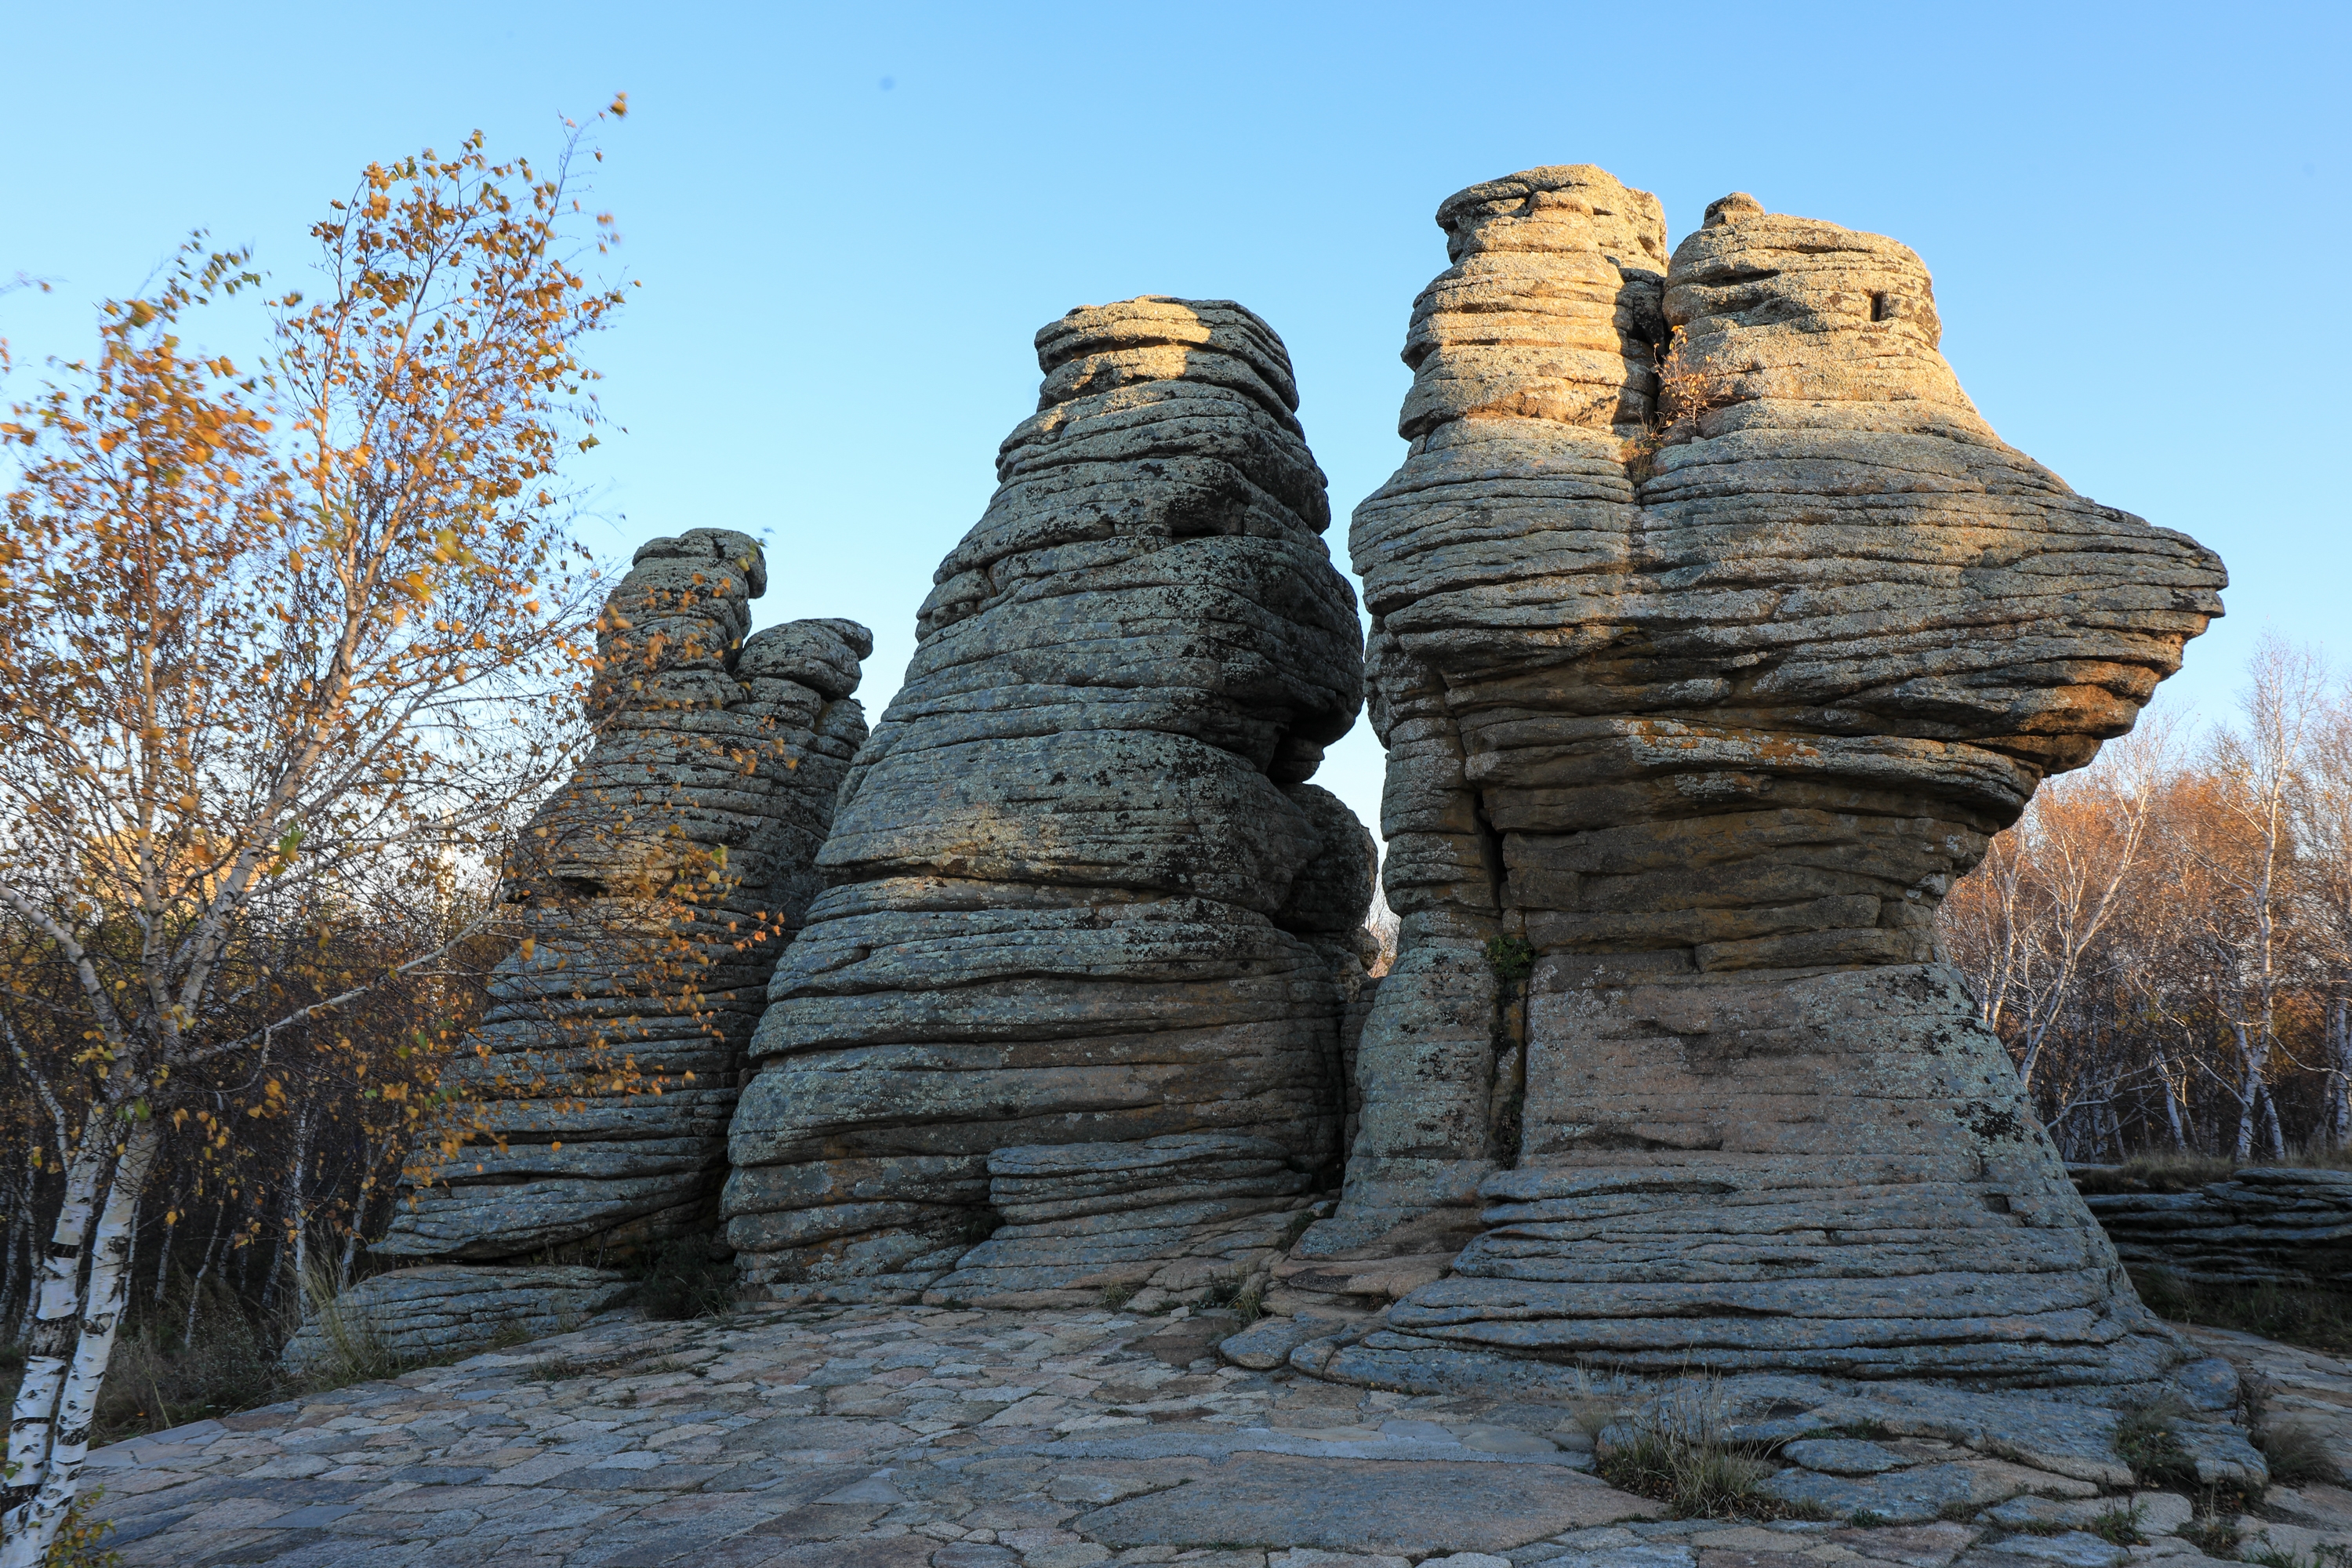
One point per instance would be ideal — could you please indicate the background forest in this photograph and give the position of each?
(2163, 941)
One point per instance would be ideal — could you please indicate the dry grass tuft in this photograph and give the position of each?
(1675, 1451)
(1686, 390)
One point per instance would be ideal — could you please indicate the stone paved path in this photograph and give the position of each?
(903, 1437)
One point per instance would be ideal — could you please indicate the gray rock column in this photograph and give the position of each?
(1069, 1022)
(1713, 665)
(658, 885)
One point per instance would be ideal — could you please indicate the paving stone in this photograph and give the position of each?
(1359, 1505)
(2074, 1550)
(1635, 1555)
(1915, 1495)
(623, 1457)
(1841, 1456)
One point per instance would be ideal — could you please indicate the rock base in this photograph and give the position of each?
(2265, 1226)
(445, 1308)
(1895, 1451)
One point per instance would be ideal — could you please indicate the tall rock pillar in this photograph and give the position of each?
(1716, 632)
(657, 887)
(1068, 1022)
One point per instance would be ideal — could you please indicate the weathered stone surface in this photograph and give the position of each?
(2259, 1226)
(1087, 1217)
(1915, 1495)
(831, 1436)
(1268, 1343)
(657, 887)
(1843, 1456)
(2152, 1513)
(445, 1308)
(1356, 1505)
(1081, 980)
(1701, 678)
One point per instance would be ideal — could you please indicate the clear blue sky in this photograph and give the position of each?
(849, 220)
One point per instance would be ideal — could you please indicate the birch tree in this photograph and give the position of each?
(2324, 829)
(2252, 862)
(274, 640)
(2023, 925)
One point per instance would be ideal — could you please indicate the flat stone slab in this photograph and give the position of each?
(1365, 1505)
(1920, 1493)
(1841, 1455)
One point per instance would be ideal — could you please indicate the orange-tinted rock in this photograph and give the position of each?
(1701, 684)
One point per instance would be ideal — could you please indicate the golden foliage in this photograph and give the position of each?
(287, 651)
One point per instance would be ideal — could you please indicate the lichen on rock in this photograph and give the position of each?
(1715, 633)
(1092, 932)
(656, 888)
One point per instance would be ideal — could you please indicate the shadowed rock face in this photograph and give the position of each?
(1693, 714)
(1080, 979)
(658, 885)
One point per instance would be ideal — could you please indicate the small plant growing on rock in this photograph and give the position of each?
(1674, 1450)
(2297, 1454)
(2212, 1535)
(1114, 1296)
(2270, 1556)
(1510, 957)
(1686, 389)
(2145, 1439)
(2119, 1527)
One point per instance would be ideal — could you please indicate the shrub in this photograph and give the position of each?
(78, 1542)
(2317, 1318)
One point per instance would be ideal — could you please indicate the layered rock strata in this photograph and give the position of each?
(1715, 631)
(656, 888)
(2275, 1226)
(440, 1309)
(1069, 1020)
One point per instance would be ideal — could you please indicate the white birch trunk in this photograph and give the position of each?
(2248, 1100)
(52, 1330)
(163, 1252)
(2339, 1055)
(30, 1527)
(196, 1286)
(2270, 1124)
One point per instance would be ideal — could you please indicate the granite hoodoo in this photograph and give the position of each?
(1715, 631)
(1068, 1021)
(656, 886)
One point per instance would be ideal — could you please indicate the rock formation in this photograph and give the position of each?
(1703, 673)
(2261, 1225)
(1067, 1022)
(415, 1314)
(656, 886)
